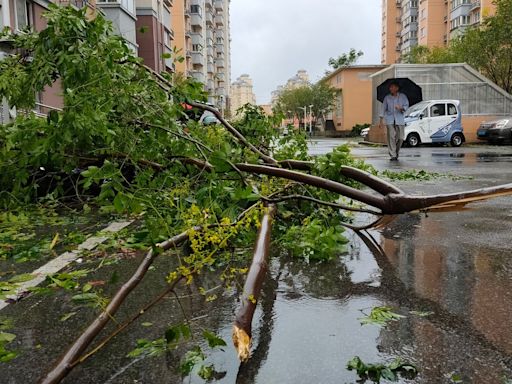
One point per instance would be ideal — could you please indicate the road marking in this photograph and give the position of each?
(55, 265)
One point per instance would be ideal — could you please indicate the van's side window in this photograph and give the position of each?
(452, 109)
(438, 110)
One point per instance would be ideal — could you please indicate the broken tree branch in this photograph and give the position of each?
(320, 202)
(241, 138)
(371, 181)
(242, 328)
(391, 203)
(65, 364)
(315, 181)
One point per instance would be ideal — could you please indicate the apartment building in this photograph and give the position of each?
(203, 39)
(241, 93)
(148, 26)
(408, 23)
(300, 79)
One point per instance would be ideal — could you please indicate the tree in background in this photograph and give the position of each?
(422, 54)
(320, 95)
(487, 48)
(346, 59)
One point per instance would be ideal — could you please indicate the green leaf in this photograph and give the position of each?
(85, 297)
(67, 316)
(213, 340)
(6, 337)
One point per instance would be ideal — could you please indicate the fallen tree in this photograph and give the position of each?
(120, 143)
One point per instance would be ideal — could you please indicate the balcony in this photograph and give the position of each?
(218, 5)
(197, 58)
(197, 38)
(196, 19)
(475, 5)
(219, 20)
(208, 3)
(221, 76)
(220, 63)
(198, 75)
(398, 19)
(397, 34)
(399, 3)
(209, 18)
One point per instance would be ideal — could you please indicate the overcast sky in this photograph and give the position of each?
(272, 39)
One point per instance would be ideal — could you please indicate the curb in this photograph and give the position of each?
(372, 144)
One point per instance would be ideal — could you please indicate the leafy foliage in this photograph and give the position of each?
(315, 240)
(380, 316)
(292, 100)
(346, 59)
(121, 143)
(6, 355)
(377, 372)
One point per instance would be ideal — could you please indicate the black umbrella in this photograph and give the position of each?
(407, 87)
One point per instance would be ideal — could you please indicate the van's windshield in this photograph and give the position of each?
(416, 109)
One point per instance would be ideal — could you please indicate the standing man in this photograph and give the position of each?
(392, 114)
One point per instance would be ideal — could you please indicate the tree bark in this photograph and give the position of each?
(65, 364)
(242, 328)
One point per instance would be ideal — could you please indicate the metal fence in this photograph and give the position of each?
(477, 94)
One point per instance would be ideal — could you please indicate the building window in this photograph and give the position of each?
(197, 47)
(22, 14)
(194, 8)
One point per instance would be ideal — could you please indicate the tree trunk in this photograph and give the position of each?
(242, 328)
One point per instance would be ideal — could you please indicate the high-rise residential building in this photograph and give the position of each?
(202, 36)
(300, 79)
(408, 23)
(146, 26)
(241, 93)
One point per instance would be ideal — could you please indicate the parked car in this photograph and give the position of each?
(365, 132)
(496, 131)
(434, 121)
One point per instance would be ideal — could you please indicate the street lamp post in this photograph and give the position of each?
(311, 120)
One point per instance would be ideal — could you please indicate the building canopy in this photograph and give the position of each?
(477, 94)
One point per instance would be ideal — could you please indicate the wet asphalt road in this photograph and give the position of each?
(456, 265)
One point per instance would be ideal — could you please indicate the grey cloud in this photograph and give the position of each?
(272, 39)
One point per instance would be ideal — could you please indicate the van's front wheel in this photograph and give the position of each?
(457, 140)
(413, 140)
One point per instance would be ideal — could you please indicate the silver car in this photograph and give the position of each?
(496, 131)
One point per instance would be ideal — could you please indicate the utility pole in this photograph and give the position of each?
(311, 120)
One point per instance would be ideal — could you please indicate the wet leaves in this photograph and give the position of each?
(380, 316)
(6, 355)
(213, 340)
(378, 371)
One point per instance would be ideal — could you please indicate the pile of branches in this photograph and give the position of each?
(123, 142)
